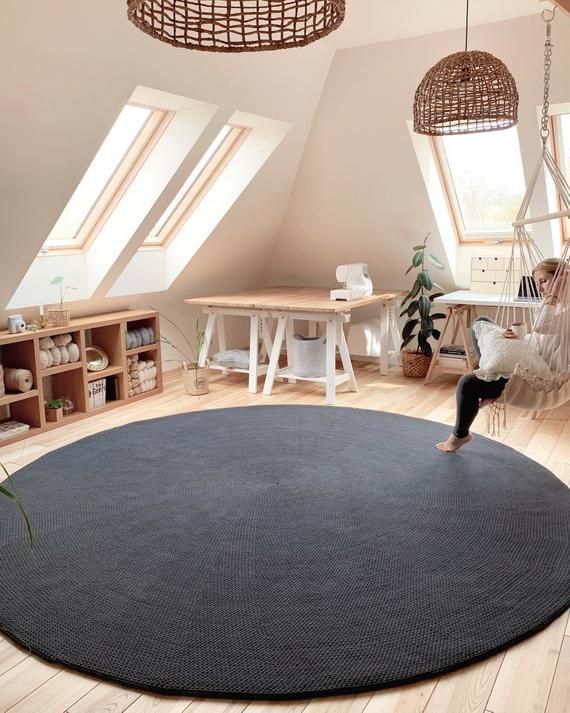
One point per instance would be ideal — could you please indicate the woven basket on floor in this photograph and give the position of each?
(415, 364)
(59, 316)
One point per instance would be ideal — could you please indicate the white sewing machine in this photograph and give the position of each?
(355, 282)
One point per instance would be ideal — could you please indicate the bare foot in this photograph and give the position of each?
(485, 402)
(453, 443)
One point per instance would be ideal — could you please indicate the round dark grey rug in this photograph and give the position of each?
(273, 552)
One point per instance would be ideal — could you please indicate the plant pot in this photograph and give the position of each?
(59, 316)
(54, 414)
(195, 380)
(415, 364)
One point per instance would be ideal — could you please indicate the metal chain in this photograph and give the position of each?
(544, 124)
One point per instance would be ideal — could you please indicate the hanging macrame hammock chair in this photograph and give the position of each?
(537, 385)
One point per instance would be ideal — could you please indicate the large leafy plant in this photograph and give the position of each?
(419, 300)
(16, 498)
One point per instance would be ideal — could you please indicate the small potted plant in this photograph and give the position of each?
(194, 376)
(420, 322)
(59, 316)
(54, 410)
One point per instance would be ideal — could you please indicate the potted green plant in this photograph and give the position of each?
(194, 376)
(417, 305)
(54, 410)
(59, 316)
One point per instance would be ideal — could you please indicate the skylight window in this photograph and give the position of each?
(116, 163)
(483, 179)
(561, 146)
(197, 185)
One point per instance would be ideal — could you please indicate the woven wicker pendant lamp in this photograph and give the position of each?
(236, 25)
(464, 93)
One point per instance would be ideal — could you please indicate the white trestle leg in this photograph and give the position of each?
(208, 336)
(276, 350)
(253, 351)
(331, 361)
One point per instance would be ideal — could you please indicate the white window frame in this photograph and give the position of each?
(199, 188)
(116, 186)
(448, 187)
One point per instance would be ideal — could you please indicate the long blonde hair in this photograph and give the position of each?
(551, 265)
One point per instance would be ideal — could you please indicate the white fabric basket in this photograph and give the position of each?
(309, 356)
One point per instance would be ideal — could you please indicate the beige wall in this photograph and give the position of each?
(68, 68)
(359, 194)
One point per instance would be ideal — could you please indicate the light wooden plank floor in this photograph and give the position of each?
(532, 676)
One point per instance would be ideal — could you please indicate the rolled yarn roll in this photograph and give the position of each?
(18, 379)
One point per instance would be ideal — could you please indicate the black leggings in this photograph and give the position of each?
(470, 390)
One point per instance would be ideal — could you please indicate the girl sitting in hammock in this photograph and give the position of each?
(472, 392)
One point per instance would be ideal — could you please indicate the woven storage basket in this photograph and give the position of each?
(59, 316)
(195, 380)
(415, 364)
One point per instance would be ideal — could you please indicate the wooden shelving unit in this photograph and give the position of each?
(107, 331)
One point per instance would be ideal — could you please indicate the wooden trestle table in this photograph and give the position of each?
(286, 304)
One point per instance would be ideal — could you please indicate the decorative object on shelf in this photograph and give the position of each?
(245, 26)
(57, 350)
(60, 315)
(96, 358)
(68, 405)
(420, 298)
(16, 324)
(141, 337)
(141, 375)
(18, 380)
(2, 388)
(41, 322)
(464, 93)
(96, 393)
(54, 410)
(8, 429)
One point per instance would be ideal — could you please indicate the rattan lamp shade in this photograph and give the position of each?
(466, 92)
(236, 25)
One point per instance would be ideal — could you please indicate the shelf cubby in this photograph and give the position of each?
(66, 383)
(107, 338)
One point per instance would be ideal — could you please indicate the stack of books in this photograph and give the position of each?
(453, 356)
(97, 393)
(9, 429)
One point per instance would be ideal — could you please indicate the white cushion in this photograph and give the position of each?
(500, 355)
(234, 358)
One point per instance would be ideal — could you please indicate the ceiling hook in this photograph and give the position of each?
(548, 14)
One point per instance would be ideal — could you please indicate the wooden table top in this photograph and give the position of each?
(291, 299)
